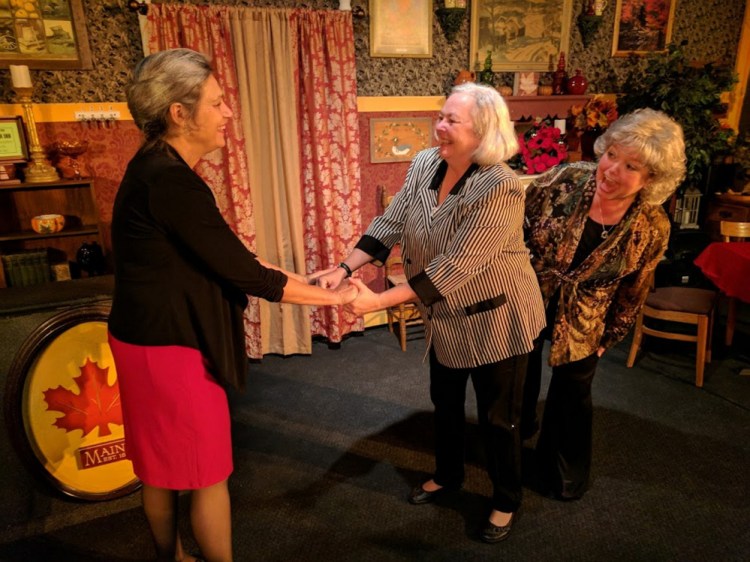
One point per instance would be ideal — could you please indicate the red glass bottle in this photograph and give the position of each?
(560, 78)
(578, 84)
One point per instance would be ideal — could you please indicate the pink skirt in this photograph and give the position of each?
(176, 416)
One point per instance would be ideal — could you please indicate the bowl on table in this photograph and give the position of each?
(47, 224)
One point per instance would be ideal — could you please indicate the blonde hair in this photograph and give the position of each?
(659, 141)
(492, 124)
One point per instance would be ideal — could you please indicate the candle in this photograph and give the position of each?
(560, 124)
(19, 75)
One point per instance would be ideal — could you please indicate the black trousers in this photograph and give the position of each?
(564, 445)
(499, 391)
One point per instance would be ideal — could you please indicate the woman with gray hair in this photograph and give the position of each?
(181, 280)
(459, 220)
(596, 231)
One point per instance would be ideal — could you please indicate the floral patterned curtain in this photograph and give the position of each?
(327, 106)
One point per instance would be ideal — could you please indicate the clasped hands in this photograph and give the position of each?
(357, 297)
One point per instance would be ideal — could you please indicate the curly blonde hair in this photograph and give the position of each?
(659, 141)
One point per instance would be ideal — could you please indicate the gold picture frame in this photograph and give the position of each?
(13, 146)
(640, 32)
(44, 35)
(401, 28)
(521, 35)
(399, 140)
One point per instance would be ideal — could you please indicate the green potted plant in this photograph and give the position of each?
(691, 95)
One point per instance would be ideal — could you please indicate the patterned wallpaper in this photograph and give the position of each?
(116, 47)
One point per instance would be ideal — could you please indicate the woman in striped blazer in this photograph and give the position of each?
(459, 220)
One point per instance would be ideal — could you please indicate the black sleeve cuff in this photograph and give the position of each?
(426, 291)
(373, 247)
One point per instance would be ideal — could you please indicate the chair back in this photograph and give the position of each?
(385, 198)
(730, 230)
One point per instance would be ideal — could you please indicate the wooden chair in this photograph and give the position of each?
(683, 305)
(732, 231)
(405, 314)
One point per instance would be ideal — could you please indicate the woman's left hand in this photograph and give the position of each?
(366, 300)
(600, 351)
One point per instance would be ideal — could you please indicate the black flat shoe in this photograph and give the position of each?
(419, 495)
(492, 533)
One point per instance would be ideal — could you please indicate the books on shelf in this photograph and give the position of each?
(24, 269)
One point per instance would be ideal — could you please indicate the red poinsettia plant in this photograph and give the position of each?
(541, 147)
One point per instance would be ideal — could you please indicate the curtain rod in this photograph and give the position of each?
(141, 7)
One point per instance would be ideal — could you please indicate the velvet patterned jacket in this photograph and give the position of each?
(466, 260)
(600, 299)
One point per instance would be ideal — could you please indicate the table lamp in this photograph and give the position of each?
(39, 170)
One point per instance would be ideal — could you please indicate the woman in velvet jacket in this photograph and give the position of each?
(596, 232)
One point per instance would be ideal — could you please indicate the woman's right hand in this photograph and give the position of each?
(332, 279)
(347, 292)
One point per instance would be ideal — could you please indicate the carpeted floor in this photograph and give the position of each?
(328, 446)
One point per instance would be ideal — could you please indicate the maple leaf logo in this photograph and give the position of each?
(97, 404)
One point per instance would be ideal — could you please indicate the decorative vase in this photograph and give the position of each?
(560, 77)
(90, 258)
(578, 84)
(588, 137)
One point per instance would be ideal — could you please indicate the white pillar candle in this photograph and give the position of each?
(560, 124)
(19, 75)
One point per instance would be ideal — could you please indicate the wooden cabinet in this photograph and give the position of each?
(726, 207)
(74, 199)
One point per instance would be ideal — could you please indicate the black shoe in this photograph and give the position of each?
(419, 495)
(492, 533)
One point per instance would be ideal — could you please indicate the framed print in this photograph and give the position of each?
(44, 34)
(526, 83)
(399, 140)
(62, 407)
(642, 26)
(522, 35)
(401, 28)
(13, 147)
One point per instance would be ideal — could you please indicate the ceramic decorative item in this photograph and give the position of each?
(545, 90)
(70, 164)
(505, 91)
(464, 76)
(560, 77)
(47, 224)
(578, 84)
(90, 258)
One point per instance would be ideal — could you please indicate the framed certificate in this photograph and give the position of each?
(13, 147)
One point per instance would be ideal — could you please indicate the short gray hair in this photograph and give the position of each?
(659, 141)
(492, 124)
(160, 80)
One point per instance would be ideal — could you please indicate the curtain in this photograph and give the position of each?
(289, 76)
(207, 30)
(264, 49)
(327, 102)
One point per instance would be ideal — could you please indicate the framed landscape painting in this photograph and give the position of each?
(642, 26)
(522, 35)
(44, 34)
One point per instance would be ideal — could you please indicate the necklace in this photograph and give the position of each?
(605, 232)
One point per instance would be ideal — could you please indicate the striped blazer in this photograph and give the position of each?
(465, 259)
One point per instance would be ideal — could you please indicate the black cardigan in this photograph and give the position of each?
(181, 274)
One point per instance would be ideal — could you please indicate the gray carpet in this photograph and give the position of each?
(328, 446)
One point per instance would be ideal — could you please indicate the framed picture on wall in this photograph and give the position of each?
(521, 35)
(399, 140)
(401, 28)
(13, 147)
(642, 26)
(44, 34)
